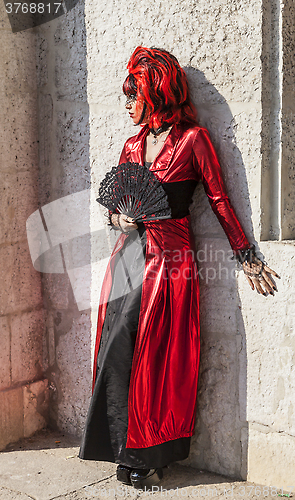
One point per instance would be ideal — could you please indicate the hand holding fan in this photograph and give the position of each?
(131, 189)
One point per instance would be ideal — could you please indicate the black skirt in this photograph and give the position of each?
(105, 432)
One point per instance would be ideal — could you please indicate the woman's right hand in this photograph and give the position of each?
(125, 223)
(257, 274)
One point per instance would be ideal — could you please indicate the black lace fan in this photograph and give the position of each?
(133, 190)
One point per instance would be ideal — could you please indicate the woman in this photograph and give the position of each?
(142, 412)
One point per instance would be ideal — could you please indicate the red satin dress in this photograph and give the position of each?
(146, 361)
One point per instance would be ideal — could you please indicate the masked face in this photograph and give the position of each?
(134, 108)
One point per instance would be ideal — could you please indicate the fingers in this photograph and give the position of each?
(131, 225)
(269, 282)
(250, 282)
(268, 286)
(271, 271)
(265, 282)
(129, 219)
(255, 282)
(127, 223)
(258, 286)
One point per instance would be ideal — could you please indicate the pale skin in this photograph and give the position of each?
(264, 284)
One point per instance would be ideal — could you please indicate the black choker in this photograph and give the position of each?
(158, 131)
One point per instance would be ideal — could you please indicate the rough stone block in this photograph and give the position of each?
(268, 324)
(70, 58)
(11, 416)
(214, 47)
(50, 338)
(18, 201)
(18, 67)
(4, 23)
(288, 178)
(218, 310)
(27, 330)
(36, 401)
(69, 171)
(215, 265)
(20, 283)
(46, 172)
(216, 443)
(4, 353)
(109, 129)
(56, 290)
(271, 459)
(19, 142)
(42, 60)
(74, 386)
(270, 391)
(204, 221)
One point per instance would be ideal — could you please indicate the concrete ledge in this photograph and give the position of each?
(271, 458)
(23, 411)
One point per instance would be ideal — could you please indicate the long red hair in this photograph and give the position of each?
(157, 79)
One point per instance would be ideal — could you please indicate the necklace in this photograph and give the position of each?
(158, 131)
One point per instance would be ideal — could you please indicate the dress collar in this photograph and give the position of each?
(164, 156)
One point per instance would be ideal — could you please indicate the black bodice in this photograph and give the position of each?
(179, 195)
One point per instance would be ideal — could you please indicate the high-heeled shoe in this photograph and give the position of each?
(123, 474)
(145, 478)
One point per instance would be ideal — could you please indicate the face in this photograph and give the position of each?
(134, 108)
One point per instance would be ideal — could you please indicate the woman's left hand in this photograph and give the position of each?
(257, 274)
(127, 224)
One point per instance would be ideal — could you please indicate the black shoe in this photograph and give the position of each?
(145, 478)
(123, 474)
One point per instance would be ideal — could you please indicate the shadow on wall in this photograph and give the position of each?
(220, 443)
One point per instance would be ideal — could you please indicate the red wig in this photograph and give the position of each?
(157, 79)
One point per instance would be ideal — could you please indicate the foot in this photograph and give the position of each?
(123, 474)
(145, 478)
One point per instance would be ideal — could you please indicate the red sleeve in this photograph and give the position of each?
(208, 168)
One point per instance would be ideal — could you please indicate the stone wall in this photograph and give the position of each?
(23, 386)
(223, 47)
(268, 323)
(64, 173)
(225, 83)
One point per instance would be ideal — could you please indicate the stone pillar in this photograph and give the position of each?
(269, 322)
(63, 189)
(23, 386)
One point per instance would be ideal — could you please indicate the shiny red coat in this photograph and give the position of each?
(163, 384)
